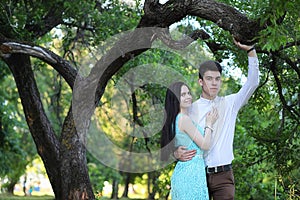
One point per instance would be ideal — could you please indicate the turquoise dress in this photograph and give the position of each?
(188, 181)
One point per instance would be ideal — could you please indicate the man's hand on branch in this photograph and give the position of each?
(249, 48)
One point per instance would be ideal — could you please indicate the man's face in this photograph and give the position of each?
(210, 84)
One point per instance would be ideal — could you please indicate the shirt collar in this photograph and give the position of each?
(204, 100)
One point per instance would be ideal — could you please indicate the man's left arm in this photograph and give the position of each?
(252, 82)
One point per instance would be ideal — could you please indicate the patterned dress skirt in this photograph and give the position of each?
(188, 181)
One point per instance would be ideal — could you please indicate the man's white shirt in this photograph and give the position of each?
(221, 150)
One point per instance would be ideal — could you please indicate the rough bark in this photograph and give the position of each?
(38, 123)
(224, 16)
(65, 160)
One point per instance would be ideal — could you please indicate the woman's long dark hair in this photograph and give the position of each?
(172, 108)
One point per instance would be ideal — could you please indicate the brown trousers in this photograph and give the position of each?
(221, 185)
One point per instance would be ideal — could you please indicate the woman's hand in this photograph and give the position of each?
(211, 117)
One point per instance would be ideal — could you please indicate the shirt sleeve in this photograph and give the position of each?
(244, 94)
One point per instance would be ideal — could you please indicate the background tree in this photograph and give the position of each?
(28, 29)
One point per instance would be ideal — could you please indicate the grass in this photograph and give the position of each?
(15, 197)
(46, 197)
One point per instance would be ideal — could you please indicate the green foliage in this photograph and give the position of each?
(99, 174)
(15, 141)
(280, 18)
(264, 155)
(56, 101)
(163, 183)
(278, 31)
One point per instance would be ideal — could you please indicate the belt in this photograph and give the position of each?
(214, 170)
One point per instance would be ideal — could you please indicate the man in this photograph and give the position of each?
(219, 157)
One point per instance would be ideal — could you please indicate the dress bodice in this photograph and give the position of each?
(183, 139)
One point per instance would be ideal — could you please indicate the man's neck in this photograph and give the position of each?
(208, 97)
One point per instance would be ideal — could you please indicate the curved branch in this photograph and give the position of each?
(13, 47)
(290, 44)
(59, 64)
(279, 86)
(264, 82)
(224, 16)
(290, 62)
(165, 36)
(52, 19)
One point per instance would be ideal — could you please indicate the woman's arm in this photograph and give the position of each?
(186, 125)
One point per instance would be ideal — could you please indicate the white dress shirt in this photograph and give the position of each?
(221, 150)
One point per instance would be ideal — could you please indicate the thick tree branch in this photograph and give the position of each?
(224, 16)
(40, 127)
(59, 64)
(158, 15)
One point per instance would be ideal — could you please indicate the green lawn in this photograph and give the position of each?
(11, 197)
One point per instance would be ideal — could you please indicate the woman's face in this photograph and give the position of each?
(185, 97)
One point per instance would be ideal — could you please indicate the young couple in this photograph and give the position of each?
(205, 154)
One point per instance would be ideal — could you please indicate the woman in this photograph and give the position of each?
(188, 181)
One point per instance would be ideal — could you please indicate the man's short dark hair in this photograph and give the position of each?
(209, 65)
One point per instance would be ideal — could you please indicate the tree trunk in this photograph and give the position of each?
(126, 185)
(151, 184)
(64, 159)
(75, 181)
(11, 186)
(24, 185)
(115, 189)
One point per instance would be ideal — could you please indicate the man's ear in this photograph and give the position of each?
(200, 81)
